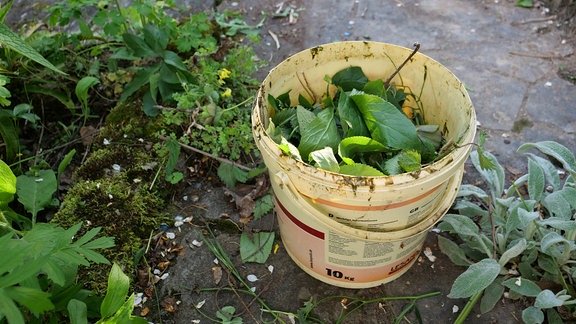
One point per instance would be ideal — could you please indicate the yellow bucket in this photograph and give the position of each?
(386, 203)
(344, 256)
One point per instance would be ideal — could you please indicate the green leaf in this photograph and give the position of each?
(350, 78)
(317, 133)
(550, 244)
(77, 312)
(532, 315)
(478, 276)
(141, 78)
(557, 204)
(535, 181)
(9, 309)
(350, 147)
(263, 206)
(82, 88)
(226, 314)
(513, 252)
(155, 38)
(256, 247)
(9, 135)
(361, 170)
(35, 191)
(555, 150)
(65, 162)
(172, 59)
(471, 190)
(491, 296)
(118, 284)
(325, 159)
(547, 299)
(494, 176)
(11, 40)
(139, 46)
(350, 117)
(231, 174)
(526, 4)
(35, 300)
(453, 251)
(407, 161)
(523, 286)
(463, 225)
(386, 123)
(7, 183)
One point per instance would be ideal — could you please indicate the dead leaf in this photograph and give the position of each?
(145, 311)
(217, 273)
(87, 134)
(244, 196)
(170, 304)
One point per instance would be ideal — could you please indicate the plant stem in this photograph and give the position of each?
(469, 305)
(416, 48)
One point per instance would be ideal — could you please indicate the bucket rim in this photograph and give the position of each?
(446, 165)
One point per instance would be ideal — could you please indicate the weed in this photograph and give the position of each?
(514, 238)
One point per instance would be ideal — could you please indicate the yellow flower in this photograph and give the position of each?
(224, 73)
(227, 93)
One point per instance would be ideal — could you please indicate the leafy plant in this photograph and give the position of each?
(368, 123)
(514, 238)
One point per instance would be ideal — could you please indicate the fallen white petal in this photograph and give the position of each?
(165, 276)
(429, 255)
(518, 282)
(271, 268)
(455, 309)
(200, 304)
(170, 235)
(197, 243)
(252, 278)
(253, 289)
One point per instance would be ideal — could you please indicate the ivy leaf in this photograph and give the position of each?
(386, 123)
(256, 247)
(478, 276)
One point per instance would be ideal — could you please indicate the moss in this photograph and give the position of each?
(127, 120)
(124, 211)
(520, 124)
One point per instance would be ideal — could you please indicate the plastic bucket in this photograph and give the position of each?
(344, 256)
(387, 203)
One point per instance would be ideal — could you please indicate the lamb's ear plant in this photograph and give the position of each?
(514, 238)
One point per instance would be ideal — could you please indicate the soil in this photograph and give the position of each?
(466, 37)
(192, 279)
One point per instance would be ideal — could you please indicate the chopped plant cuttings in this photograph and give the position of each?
(367, 128)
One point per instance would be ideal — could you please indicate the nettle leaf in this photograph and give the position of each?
(475, 279)
(350, 78)
(350, 117)
(386, 123)
(35, 191)
(359, 169)
(405, 161)
(535, 180)
(350, 147)
(325, 159)
(290, 149)
(453, 251)
(547, 299)
(317, 133)
(256, 247)
(523, 286)
(263, 206)
(231, 174)
(494, 176)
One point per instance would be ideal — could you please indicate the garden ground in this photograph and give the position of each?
(518, 65)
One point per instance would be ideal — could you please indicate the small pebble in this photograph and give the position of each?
(346, 34)
(170, 235)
